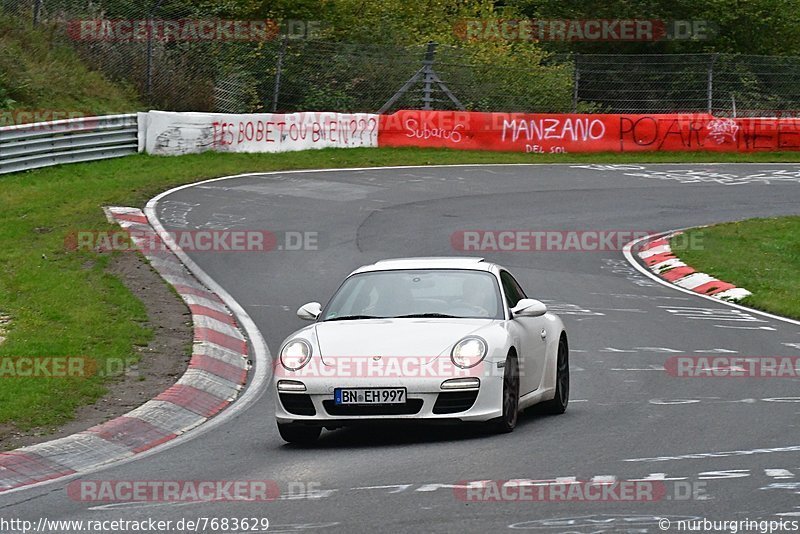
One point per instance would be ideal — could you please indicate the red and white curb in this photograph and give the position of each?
(217, 372)
(657, 255)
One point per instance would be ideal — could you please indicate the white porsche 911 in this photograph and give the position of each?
(433, 339)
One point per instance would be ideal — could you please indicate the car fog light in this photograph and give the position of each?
(291, 385)
(462, 383)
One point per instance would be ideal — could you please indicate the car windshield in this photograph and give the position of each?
(434, 293)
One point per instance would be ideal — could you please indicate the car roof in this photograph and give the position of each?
(433, 262)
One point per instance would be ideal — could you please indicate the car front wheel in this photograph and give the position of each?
(559, 403)
(508, 420)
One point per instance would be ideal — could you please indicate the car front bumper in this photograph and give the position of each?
(425, 400)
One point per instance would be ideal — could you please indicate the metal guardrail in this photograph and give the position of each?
(31, 146)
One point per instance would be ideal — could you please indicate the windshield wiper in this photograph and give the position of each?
(353, 318)
(426, 315)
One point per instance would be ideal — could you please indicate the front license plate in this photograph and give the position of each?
(369, 395)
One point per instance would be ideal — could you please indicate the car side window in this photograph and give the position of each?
(511, 288)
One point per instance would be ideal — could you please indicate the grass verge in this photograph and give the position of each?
(65, 303)
(40, 77)
(760, 255)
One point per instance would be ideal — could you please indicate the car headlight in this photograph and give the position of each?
(468, 352)
(295, 354)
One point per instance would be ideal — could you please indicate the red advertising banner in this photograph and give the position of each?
(562, 133)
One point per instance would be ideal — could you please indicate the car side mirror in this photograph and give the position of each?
(529, 308)
(310, 311)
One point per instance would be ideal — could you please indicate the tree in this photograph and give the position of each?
(740, 26)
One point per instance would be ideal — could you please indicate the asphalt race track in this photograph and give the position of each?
(735, 442)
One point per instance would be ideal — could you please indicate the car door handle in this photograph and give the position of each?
(544, 333)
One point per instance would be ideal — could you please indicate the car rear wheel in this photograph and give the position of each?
(559, 403)
(508, 420)
(299, 434)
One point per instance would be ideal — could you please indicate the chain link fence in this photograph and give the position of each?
(721, 84)
(286, 74)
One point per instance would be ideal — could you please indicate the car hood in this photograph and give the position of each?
(426, 339)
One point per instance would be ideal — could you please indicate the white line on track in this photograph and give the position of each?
(768, 328)
(724, 454)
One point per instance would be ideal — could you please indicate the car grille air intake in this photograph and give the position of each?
(454, 401)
